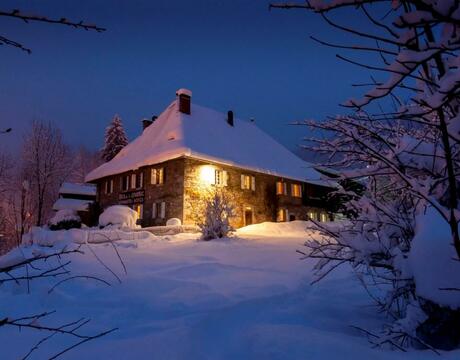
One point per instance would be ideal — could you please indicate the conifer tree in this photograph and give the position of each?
(115, 139)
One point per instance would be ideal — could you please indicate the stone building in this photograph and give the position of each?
(189, 151)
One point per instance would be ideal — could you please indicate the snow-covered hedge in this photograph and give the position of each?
(45, 237)
(119, 216)
(65, 219)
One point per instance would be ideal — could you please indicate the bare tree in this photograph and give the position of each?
(20, 269)
(407, 154)
(84, 161)
(28, 18)
(46, 164)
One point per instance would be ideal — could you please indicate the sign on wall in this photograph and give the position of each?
(132, 197)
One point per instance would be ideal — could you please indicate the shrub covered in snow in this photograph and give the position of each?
(173, 222)
(64, 220)
(217, 211)
(404, 237)
(119, 216)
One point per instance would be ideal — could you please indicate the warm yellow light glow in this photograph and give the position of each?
(208, 174)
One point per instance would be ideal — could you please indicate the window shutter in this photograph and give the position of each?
(284, 188)
(153, 180)
(216, 177)
(163, 210)
(154, 211)
(133, 181)
(253, 183)
(224, 178)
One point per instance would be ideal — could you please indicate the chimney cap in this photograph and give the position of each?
(183, 91)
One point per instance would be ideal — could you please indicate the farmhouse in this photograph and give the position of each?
(190, 150)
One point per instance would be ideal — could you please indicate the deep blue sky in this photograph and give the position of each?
(232, 54)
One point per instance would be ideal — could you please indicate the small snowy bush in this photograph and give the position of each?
(216, 217)
(64, 220)
(119, 216)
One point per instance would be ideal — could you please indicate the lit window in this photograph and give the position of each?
(248, 182)
(125, 182)
(220, 177)
(157, 176)
(296, 190)
(281, 188)
(159, 210)
(324, 217)
(282, 215)
(312, 216)
(139, 208)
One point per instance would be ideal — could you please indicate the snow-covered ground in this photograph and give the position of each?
(247, 297)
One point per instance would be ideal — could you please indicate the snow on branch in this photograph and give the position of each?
(62, 21)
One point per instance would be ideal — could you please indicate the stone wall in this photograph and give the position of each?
(184, 192)
(263, 201)
(170, 192)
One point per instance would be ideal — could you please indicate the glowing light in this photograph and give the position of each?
(208, 174)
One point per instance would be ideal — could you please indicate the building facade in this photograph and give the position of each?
(176, 188)
(166, 173)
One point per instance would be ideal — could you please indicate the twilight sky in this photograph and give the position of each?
(232, 54)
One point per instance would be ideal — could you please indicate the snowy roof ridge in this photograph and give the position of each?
(77, 189)
(206, 135)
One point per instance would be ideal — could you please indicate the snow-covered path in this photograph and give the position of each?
(240, 298)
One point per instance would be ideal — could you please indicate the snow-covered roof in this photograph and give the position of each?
(72, 204)
(77, 189)
(206, 135)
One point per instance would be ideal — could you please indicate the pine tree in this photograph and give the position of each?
(115, 139)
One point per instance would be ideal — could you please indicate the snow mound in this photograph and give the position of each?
(15, 256)
(64, 215)
(432, 260)
(45, 237)
(286, 229)
(173, 222)
(119, 215)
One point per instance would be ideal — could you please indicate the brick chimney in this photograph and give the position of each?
(230, 117)
(147, 122)
(184, 96)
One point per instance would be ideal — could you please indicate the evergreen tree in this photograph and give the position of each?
(115, 139)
